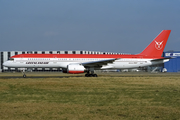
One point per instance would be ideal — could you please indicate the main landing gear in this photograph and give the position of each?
(90, 75)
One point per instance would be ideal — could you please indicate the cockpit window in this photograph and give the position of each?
(12, 59)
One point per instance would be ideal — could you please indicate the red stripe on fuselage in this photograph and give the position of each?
(78, 56)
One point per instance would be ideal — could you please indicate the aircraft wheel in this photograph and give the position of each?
(94, 75)
(86, 75)
(90, 75)
(24, 76)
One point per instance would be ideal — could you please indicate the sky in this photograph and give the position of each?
(121, 26)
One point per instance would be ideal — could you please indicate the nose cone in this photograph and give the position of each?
(5, 64)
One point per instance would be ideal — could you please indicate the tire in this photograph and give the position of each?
(86, 75)
(90, 75)
(24, 76)
(95, 75)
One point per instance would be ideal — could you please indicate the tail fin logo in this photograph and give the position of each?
(158, 45)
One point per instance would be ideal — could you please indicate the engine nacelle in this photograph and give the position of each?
(75, 69)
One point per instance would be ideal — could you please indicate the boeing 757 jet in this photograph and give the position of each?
(87, 63)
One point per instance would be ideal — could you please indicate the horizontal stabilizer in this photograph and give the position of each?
(167, 58)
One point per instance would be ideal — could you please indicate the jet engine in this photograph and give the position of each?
(74, 69)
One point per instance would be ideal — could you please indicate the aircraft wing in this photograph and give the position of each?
(166, 58)
(99, 63)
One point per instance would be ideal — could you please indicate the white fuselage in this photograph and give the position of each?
(64, 62)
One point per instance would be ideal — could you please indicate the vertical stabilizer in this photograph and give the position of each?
(156, 47)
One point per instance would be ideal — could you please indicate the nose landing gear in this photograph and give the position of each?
(24, 75)
(23, 72)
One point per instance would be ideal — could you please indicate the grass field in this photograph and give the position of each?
(46, 96)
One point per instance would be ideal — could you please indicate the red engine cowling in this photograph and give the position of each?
(75, 69)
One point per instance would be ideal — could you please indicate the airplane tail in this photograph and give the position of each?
(156, 47)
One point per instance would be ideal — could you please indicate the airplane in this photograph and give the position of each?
(87, 63)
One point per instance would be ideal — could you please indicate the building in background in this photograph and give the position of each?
(174, 64)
